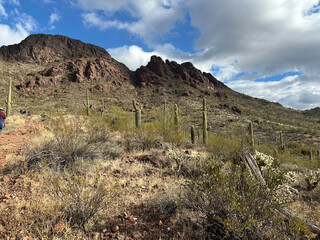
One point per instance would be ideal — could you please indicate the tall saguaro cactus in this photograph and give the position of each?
(193, 135)
(165, 117)
(204, 121)
(87, 104)
(251, 134)
(176, 115)
(137, 113)
(282, 146)
(310, 155)
(8, 101)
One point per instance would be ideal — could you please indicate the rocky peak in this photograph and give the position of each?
(44, 49)
(158, 66)
(158, 72)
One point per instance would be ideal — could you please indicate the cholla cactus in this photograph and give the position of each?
(263, 159)
(312, 179)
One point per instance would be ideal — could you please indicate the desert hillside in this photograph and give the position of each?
(164, 152)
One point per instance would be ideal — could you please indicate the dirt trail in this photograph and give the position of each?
(12, 142)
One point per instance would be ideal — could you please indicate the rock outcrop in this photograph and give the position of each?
(44, 49)
(158, 72)
(79, 71)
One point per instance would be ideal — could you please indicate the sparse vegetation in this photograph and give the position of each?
(109, 171)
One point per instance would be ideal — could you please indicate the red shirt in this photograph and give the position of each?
(2, 115)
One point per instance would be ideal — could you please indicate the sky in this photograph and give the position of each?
(267, 49)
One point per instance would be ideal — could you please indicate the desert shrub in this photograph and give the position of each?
(119, 120)
(146, 136)
(33, 214)
(69, 139)
(238, 207)
(81, 192)
(166, 129)
(112, 151)
(166, 203)
(222, 147)
(184, 164)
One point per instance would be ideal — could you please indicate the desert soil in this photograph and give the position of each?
(13, 141)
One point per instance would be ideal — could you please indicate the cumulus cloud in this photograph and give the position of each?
(293, 91)
(149, 19)
(20, 28)
(134, 56)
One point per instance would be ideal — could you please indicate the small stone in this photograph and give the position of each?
(137, 235)
(115, 229)
(132, 220)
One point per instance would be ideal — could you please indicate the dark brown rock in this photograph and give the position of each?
(79, 71)
(158, 72)
(236, 110)
(221, 95)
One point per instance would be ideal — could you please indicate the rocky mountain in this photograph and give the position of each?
(54, 71)
(44, 49)
(79, 62)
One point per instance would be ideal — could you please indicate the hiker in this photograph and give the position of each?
(2, 119)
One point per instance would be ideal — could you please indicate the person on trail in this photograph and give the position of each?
(2, 119)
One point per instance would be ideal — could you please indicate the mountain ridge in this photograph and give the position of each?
(45, 48)
(50, 76)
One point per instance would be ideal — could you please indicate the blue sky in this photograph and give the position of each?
(268, 49)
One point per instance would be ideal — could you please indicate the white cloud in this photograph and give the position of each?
(21, 27)
(134, 56)
(10, 35)
(54, 17)
(3, 13)
(150, 19)
(94, 20)
(293, 91)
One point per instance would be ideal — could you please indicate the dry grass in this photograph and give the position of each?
(137, 197)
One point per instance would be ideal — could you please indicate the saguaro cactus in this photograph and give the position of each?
(8, 101)
(251, 139)
(310, 154)
(165, 117)
(137, 113)
(193, 135)
(282, 146)
(204, 121)
(176, 115)
(87, 104)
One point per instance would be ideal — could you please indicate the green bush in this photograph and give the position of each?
(163, 124)
(222, 147)
(236, 206)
